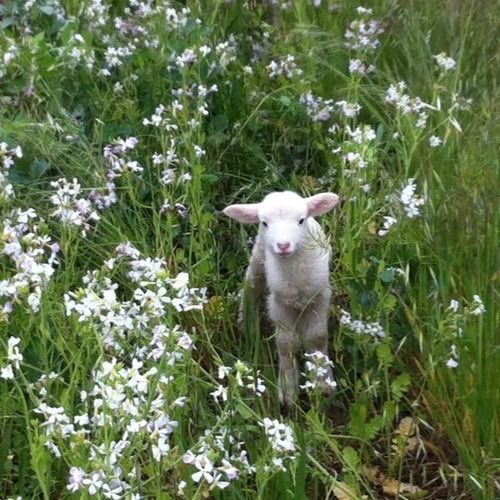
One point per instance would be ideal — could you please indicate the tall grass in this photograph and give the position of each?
(131, 382)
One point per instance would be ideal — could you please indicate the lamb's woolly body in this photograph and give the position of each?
(297, 279)
(298, 283)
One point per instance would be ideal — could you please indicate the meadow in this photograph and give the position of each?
(127, 127)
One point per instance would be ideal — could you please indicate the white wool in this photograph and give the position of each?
(291, 258)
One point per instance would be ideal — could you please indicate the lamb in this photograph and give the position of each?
(291, 256)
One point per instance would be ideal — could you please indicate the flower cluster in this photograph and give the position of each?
(71, 208)
(14, 358)
(318, 109)
(286, 67)
(362, 38)
(7, 156)
(362, 34)
(407, 105)
(7, 57)
(226, 53)
(77, 53)
(116, 155)
(408, 201)
(453, 360)
(454, 322)
(444, 62)
(177, 19)
(127, 400)
(240, 376)
(411, 203)
(319, 372)
(389, 221)
(34, 255)
(125, 404)
(155, 294)
(282, 440)
(321, 110)
(219, 459)
(357, 326)
(474, 308)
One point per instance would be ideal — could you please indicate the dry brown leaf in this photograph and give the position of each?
(374, 475)
(372, 228)
(406, 427)
(344, 492)
(394, 488)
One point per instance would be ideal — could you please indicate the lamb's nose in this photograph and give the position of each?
(284, 246)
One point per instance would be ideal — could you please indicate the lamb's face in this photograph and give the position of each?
(283, 218)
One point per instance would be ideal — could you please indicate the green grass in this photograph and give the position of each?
(400, 414)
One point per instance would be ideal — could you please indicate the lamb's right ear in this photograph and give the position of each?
(321, 203)
(247, 214)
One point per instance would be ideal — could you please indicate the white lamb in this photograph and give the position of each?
(291, 255)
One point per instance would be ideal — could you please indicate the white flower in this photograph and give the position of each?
(7, 373)
(387, 224)
(435, 141)
(181, 488)
(181, 281)
(451, 363)
(13, 353)
(445, 62)
(280, 435)
(223, 372)
(286, 67)
(221, 392)
(205, 469)
(161, 448)
(357, 326)
(349, 109)
(94, 482)
(478, 306)
(411, 203)
(454, 305)
(76, 478)
(230, 470)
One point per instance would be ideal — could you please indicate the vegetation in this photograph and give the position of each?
(125, 129)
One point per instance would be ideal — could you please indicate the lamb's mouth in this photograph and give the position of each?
(284, 253)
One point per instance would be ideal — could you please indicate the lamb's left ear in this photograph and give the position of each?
(321, 203)
(247, 213)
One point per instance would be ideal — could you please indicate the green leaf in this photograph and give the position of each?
(351, 457)
(400, 385)
(387, 276)
(285, 100)
(384, 354)
(38, 168)
(389, 410)
(47, 9)
(210, 178)
(358, 419)
(7, 21)
(244, 411)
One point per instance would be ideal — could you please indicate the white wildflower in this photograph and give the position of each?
(435, 141)
(411, 202)
(444, 62)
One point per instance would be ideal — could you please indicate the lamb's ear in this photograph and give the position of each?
(321, 203)
(247, 214)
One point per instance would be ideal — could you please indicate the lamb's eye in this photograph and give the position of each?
(301, 221)
(264, 224)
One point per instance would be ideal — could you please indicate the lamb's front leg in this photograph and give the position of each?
(287, 344)
(254, 286)
(314, 325)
